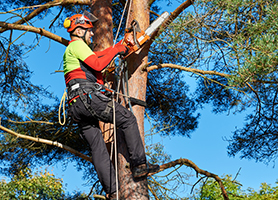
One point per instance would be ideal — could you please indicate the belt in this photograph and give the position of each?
(85, 86)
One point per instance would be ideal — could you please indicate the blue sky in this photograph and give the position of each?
(206, 147)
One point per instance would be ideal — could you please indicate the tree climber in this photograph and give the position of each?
(88, 105)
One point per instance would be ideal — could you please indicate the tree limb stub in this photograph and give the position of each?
(49, 142)
(189, 163)
(40, 31)
(46, 6)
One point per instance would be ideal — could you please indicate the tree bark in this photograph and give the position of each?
(129, 188)
(103, 31)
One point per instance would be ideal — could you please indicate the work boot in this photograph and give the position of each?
(143, 170)
(112, 196)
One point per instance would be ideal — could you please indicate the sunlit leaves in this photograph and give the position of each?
(210, 191)
(26, 185)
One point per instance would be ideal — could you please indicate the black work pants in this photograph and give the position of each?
(90, 131)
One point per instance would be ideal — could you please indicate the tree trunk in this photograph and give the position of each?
(137, 88)
(103, 32)
(103, 38)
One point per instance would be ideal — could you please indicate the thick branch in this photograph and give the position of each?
(46, 6)
(49, 142)
(172, 17)
(189, 163)
(40, 31)
(193, 70)
(198, 71)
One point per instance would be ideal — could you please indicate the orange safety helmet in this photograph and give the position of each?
(84, 20)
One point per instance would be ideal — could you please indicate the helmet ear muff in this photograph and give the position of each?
(67, 23)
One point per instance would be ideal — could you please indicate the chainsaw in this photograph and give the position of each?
(134, 38)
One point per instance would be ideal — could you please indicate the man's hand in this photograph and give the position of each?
(123, 50)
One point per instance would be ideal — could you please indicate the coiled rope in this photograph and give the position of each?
(63, 104)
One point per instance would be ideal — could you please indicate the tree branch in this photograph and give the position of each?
(171, 18)
(193, 70)
(46, 6)
(31, 121)
(49, 142)
(40, 31)
(189, 163)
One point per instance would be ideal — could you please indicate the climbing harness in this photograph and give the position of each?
(84, 90)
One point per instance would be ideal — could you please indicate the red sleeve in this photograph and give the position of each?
(99, 63)
(102, 53)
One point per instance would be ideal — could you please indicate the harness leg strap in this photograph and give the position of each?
(104, 116)
(84, 100)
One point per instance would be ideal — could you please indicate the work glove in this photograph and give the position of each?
(123, 50)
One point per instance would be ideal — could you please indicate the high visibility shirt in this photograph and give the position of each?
(80, 62)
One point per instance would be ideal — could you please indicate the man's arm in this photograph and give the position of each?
(98, 60)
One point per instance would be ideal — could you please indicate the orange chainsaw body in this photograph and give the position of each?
(133, 46)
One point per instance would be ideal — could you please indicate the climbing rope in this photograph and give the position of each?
(116, 37)
(117, 93)
(115, 146)
(62, 104)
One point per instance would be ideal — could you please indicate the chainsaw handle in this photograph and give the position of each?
(134, 25)
(135, 38)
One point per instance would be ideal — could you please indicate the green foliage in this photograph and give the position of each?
(170, 103)
(16, 89)
(266, 192)
(39, 185)
(28, 186)
(16, 148)
(210, 191)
